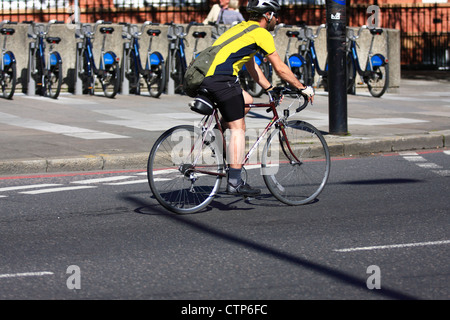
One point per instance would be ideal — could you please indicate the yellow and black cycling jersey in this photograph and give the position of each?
(230, 59)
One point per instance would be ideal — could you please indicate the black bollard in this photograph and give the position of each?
(337, 73)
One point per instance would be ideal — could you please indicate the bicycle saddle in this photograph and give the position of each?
(198, 34)
(292, 33)
(106, 30)
(53, 40)
(203, 104)
(153, 32)
(7, 31)
(376, 31)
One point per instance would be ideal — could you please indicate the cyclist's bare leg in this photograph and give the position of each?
(236, 146)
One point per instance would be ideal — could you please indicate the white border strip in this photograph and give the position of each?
(393, 246)
(26, 274)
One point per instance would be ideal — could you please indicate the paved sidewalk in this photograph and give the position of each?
(84, 133)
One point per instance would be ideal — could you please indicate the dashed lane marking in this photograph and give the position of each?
(102, 180)
(26, 274)
(51, 190)
(394, 246)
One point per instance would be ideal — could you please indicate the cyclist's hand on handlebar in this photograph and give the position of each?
(308, 93)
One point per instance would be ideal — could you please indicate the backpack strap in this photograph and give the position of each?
(240, 34)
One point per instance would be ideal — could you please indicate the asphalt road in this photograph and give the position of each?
(382, 221)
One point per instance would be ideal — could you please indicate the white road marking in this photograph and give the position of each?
(128, 182)
(26, 274)
(414, 158)
(443, 173)
(101, 180)
(429, 165)
(57, 189)
(32, 186)
(394, 246)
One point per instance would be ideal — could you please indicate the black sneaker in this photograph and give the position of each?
(242, 189)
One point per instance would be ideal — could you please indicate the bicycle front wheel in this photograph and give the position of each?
(378, 80)
(8, 80)
(296, 163)
(184, 173)
(53, 81)
(110, 80)
(156, 80)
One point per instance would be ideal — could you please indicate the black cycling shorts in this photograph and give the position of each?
(226, 91)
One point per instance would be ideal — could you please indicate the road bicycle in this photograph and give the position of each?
(108, 70)
(154, 73)
(178, 62)
(187, 163)
(376, 71)
(8, 75)
(46, 68)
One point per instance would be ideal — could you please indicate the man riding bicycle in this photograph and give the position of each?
(222, 84)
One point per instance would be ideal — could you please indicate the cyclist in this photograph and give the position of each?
(221, 81)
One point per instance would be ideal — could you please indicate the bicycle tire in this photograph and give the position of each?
(378, 81)
(177, 73)
(172, 181)
(53, 81)
(8, 81)
(290, 181)
(351, 75)
(156, 80)
(110, 80)
(85, 73)
(132, 74)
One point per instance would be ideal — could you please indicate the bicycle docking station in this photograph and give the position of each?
(78, 81)
(172, 46)
(31, 83)
(125, 82)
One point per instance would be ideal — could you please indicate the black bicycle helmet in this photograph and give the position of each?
(259, 7)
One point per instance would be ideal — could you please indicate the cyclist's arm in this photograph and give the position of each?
(286, 74)
(283, 71)
(257, 74)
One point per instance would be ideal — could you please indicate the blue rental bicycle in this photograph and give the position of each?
(108, 70)
(154, 73)
(46, 68)
(178, 62)
(8, 75)
(308, 50)
(296, 62)
(376, 72)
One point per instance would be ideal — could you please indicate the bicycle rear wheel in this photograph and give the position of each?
(110, 80)
(8, 80)
(177, 167)
(296, 169)
(53, 81)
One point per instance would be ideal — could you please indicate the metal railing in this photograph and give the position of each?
(424, 28)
